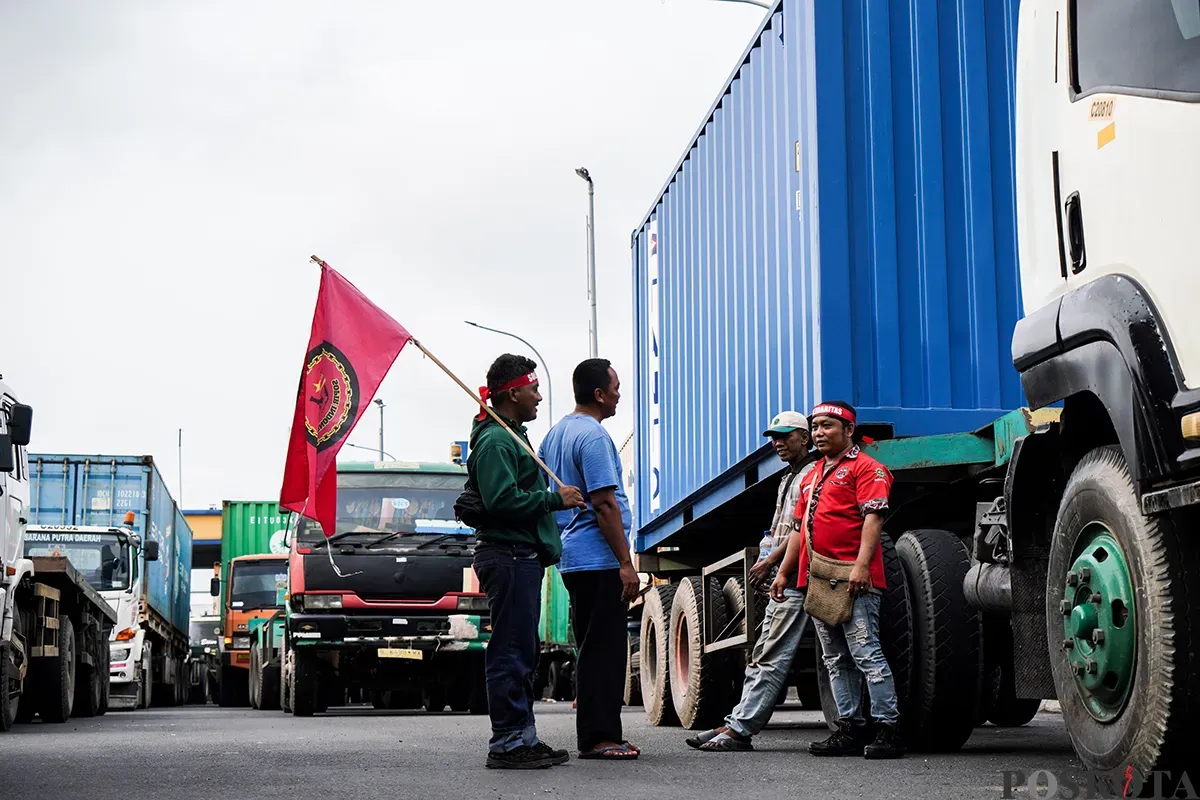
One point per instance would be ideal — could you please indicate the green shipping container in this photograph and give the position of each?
(554, 627)
(249, 528)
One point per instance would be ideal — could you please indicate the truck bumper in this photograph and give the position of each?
(451, 633)
(236, 658)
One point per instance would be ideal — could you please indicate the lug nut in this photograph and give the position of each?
(1085, 574)
(1092, 669)
(1065, 607)
(1097, 599)
(1077, 669)
(1068, 644)
(1098, 637)
(1072, 579)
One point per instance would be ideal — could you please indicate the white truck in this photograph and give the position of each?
(54, 626)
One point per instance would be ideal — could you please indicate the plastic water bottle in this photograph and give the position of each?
(766, 545)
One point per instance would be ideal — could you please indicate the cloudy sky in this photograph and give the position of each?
(167, 169)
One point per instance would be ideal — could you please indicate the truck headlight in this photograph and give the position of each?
(476, 604)
(319, 602)
(241, 643)
(120, 655)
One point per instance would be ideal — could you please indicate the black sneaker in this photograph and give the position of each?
(523, 757)
(559, 756)
(847, 740)
(887, 744)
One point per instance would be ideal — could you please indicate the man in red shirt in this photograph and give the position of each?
(846, 499)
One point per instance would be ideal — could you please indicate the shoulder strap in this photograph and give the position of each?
(807, 540)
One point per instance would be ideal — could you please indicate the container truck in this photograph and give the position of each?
(965, 219)
(388, 604)
(254, 564)
(114, 518)
(54, 626)
(204, 663)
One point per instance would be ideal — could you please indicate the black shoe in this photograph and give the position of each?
(523, 757)
(887, 744)
(847, 740)
(559, 756)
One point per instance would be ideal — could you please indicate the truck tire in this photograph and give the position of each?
(106, 679)
(700, 685)
(87, 681)
(434, 698)
(304, 688)
(947, 667)
(808, 688)
(254, 679)
(56, 676)
(1140, 705)
(268, 682)
(10, 687)
(633, 677)
(895, 633)
(735, 601)
(147, 683)
(656, 670)
(234, 687)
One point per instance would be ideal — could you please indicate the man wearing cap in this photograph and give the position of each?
(517, 541)
(784, 620)
(842, 505)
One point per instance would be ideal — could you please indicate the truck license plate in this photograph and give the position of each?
(400, 652)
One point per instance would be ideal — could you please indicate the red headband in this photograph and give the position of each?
(515, 383)
(825, 409)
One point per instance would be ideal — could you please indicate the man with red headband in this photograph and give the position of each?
(518, 540)
(843, 505)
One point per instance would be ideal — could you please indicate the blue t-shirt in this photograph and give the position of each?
(582, 454)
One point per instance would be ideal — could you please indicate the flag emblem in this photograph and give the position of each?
(331, 390)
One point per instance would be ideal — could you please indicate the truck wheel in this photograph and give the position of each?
(10, 687)
(735, 601)
(253, 679)
(268, 683)
(287, 667)
(57, 676)
(234, 688)
(434, 698)
(554, 680)
(947, 668)
(146, 686)
(656, 638)
(633, 678)
(896, 633)
(1123, 623)
(478, 687)
(87, 681)
(106, 678)
(699, 683)
(304, 689)
(808, 689)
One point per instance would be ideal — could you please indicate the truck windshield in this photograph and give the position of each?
(258, 584)
(203, 631)
(412, 504)
(101, 558)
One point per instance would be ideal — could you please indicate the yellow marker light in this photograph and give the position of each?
(1190, 425)
(228, 640)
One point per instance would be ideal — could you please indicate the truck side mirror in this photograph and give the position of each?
(215, 587)
(20, 424)
(152, 551)
(8, 459)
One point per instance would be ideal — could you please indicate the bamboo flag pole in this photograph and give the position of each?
(524, 445)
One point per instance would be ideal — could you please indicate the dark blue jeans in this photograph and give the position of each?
(511, 576)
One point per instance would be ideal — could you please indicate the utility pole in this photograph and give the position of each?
(591, 261)
(379, 403)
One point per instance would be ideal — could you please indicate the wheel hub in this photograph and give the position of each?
(1099, 624)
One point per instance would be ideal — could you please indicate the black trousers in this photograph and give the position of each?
(601, 634)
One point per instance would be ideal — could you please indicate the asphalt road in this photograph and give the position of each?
(357, 752)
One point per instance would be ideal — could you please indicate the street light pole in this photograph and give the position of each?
(379, 403)
(591, 265)
(372, 449)
(549, 383)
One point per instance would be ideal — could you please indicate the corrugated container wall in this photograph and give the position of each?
(251, 527)
(554, 626)
(843, 226)
(100, 490)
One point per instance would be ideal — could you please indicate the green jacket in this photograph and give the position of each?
(514, 490)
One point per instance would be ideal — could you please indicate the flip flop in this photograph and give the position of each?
(606, 754)
(727, 744)
(701, 738)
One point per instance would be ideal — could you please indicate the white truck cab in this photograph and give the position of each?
(113, 560)
(15, 422)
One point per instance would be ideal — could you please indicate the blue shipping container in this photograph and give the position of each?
(842, 226)
(100, 490)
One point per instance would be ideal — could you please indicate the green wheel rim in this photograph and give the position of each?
(1100, 623)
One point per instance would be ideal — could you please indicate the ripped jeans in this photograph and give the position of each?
(851, 651)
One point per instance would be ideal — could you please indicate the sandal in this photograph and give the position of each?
(701, 738)
(622, 752)
(727, 744)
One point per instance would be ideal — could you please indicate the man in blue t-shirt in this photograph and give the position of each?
(596, 566)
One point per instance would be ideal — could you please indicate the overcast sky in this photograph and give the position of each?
(167, 169)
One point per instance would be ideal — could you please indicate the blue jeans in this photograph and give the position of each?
(511, 576)
(770, 663)
(852, 650)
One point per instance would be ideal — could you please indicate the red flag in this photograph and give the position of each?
(352, 346)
